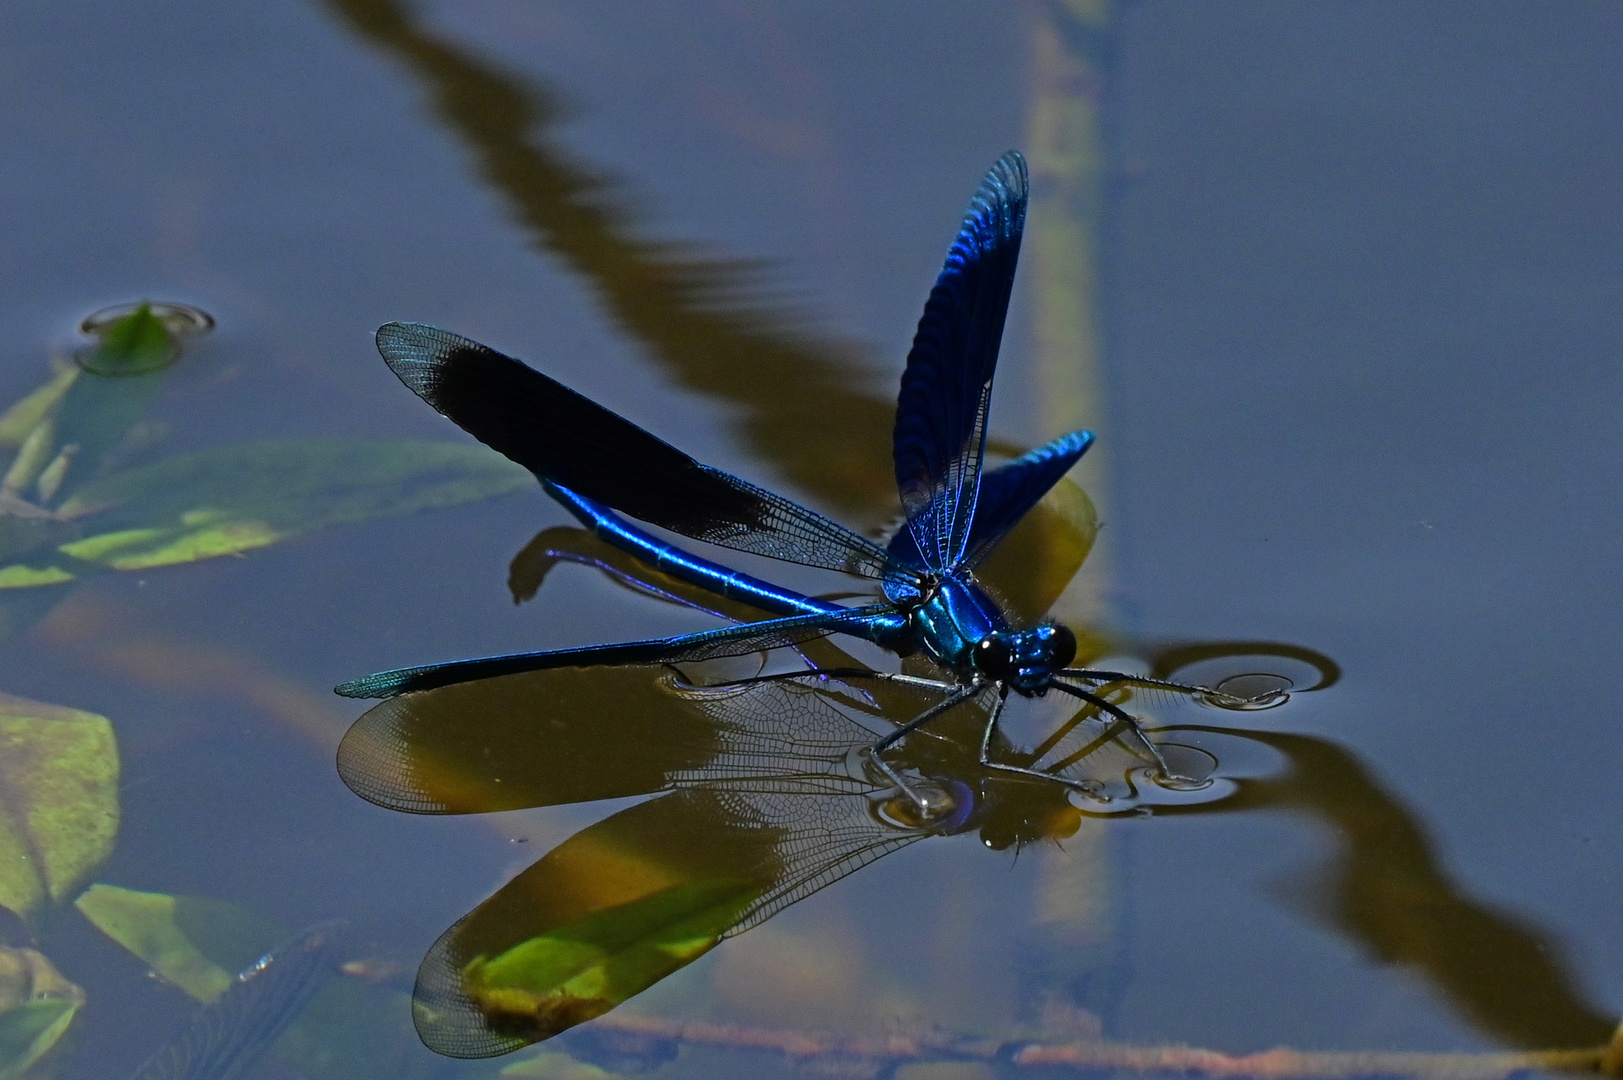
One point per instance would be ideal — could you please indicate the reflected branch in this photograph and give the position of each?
(702, 318)
(1277, 1064)
(1388, 890)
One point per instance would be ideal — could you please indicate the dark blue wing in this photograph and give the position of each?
(1010, 491)
(940, 429)
(705, 645)
(1007, 494)
(567, 438)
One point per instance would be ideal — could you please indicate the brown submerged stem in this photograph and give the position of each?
(1277, 1064)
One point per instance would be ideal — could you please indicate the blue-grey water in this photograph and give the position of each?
(1360, 316)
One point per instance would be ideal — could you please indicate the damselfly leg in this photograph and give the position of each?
(1203, 693)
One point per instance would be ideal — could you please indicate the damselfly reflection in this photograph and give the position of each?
(765, 794)
(597, 463)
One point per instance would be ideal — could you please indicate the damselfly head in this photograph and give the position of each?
(1025, 660)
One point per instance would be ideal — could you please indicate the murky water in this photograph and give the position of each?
(1340, 287)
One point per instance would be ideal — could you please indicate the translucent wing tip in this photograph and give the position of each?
(381, 685)
(418, 353)
(1010, 174)
(403, 338)
(447, 1020)
(375, 762)
(1001, 196)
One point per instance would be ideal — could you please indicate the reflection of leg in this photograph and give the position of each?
(877, 752)
(990, 732)
(1122, 718)
(955, 695)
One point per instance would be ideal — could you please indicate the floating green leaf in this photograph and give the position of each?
(134, 345)
(191, 941)
(29, 577)
(58, 800)
(236, 498)
(571, 974)
(36, 1006)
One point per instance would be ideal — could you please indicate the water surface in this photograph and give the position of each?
(1345, 312)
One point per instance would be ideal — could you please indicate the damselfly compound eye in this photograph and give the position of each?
(1061, 645)
(994, 657)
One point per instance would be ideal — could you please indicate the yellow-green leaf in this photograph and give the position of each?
(29, 577)
(237, 498)
(58, 800)
(36, 1006)
(200, 535)
(149, 925)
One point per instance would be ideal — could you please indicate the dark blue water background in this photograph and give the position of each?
(1363, 372)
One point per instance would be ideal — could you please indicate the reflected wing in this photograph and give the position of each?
(705, 645)
(569, 735)
(229, 1035)
(539, 738)
(1007, 494)
(785, 765)
(940, 431)
(776, 816)
(566, 437)
(618, 907)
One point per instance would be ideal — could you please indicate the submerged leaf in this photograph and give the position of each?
(36, 1006)
(581, 970)
(25, 534)
(192, 942)
(201, 535)
(552, 1065)
(58, 800)
(355, 1030)
(134, 345)
(26, 414)
(236, 498)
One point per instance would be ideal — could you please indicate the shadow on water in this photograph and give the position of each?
(701, 318)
